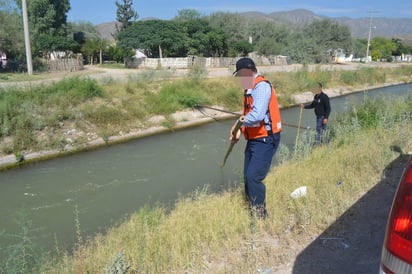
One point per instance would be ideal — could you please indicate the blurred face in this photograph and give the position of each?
(316, 90)
(246, 77)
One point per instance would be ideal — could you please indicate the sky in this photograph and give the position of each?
(102, 11)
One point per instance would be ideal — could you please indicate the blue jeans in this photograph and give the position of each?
(258, 159)
(320, 129)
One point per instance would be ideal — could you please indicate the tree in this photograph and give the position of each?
(216, 43)
(315, 42)
(382, 48)
(55, 43)
(241, 48)
(116, 53)
(187, 15)
(269, 38)
(409, 49)
(269, 46)
(203, 40)
(299, 47)
(359, 47)
(267, 29)
(11, 32)
(82, 32)
(89, 41)
(233, 25)
(90, 49)
(400, 47)
(125, 14)
(325, 36)
(47, 18)
(102, 44)
(155, 37)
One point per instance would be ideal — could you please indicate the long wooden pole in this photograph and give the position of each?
(297, 134)
(238, 124)
(238, 114)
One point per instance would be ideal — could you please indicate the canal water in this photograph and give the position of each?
(100, 188)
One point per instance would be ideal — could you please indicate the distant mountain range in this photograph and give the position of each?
(107, 30)
(386, 27)
(359, 27)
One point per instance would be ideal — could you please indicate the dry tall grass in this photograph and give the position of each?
(213, 233)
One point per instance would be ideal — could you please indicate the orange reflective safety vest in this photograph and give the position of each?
(260, 131)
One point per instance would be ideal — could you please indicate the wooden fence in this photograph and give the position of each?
(65, 64)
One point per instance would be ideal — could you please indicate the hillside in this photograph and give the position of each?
(359, 27)
(387, 27)
(107, 30)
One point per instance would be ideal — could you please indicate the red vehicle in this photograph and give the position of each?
(397, 247)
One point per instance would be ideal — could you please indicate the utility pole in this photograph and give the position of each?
(27, 38)
(369, 36)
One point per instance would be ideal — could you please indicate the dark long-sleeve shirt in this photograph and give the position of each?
(321, 105)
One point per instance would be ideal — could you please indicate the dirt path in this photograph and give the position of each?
(353, 243)
(226, 72)
(99, 73)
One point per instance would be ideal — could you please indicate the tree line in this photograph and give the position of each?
(220, 34)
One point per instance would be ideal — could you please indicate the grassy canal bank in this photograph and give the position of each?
(205, 232)
(79, 113)
(212, 233)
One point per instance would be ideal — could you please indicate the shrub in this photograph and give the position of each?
(175, 96)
